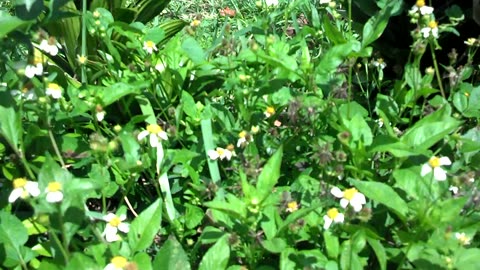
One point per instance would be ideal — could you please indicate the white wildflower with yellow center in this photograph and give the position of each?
(422, 8)
(22, 188)
(462, 238)
(54, 192)
(244, 139)
(149, 46)
(349, 196)
(54, 90)
(430, 30)
(33, 69)
(271, 3)
(155, 132)
(332, 216)
(269, 111)
(117, 263)
(434, 164)
(50, 46)
(220, 153)
(114, 224)
(292, 207)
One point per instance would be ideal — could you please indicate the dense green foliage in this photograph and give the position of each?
(303, 134)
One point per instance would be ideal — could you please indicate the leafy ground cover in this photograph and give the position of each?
(306, 134)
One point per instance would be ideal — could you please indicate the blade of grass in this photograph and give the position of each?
(208, 144)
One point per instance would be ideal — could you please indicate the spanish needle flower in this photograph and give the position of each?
(332, 216)
(422, 8)
(292, 207)
(155, 132)
(117, 263)
(149, 46)
(349, 196)
(462, 238)
(22, 188)
(269, 111)
(434, 164)
(54, 192)
(244, 139)
(220, 153)
(50, 46)
(430, 30)
(33, 69)
(114, 224)
(54, 90)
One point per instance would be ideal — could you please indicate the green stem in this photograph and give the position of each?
(84, 40)
(437, 71)
(55, 147)
(60, 246)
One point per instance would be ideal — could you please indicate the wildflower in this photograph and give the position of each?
(332, 216)
(244, 138)
(277, 123)
(434, 164)
(271, 3)
(22, 188)
(82, 59)
(255, 129)
(195, 23)
(50, 46)
(54, 192)
(96, 14)
(54, 90)
(453, 189)
(269, 111)
(26, 93)
(325, 2)
(227, 12)
(117, 263)
(462, 239)
(220, 153)
(244, 77)
(380, 63)
(420, 6)
(160, 67)
(156, 132)
(430, 30)
(292, 207)
(100, 113)
(349, 196)
(114, 225)
(472, 42)
(32, 70)
(149, 46)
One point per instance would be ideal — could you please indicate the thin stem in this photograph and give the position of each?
(60, 246)
(55, 147)
(130, 206)
(437, 71)
(84, 40)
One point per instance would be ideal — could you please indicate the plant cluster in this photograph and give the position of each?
(259, 135)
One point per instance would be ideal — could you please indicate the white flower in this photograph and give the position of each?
(156, 132)
(32, 70)
(50, 46)
(117, 263)
(100, 116)
(54, 90)
(420, 6)
(220, 153)
(244, 139)
(149, 46)
(28, 94)
(332, 216)
(114, 225)
(434, 164)
(349, 196)
(453, 189)
(160, 67)
(271, 2)
(430, 30)
(269, 111)
(54, 192)
(324, 2)
(22, 188)
(463, 238)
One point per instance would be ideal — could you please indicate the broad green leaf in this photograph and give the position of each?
(467, 259)
(336, 55)
(145, 227)
(28, 9)
(193, 216)
(207, 136)
(269, 176)
(171, 256)
(379, 250)
(348, 258)
(332, 32)
(412, 183)
(143, 261)
(275, 245)
(194, 51)
(12, 231)
(217, 256)
(9, 23)
(331, 244)
(384, 194)
(80, 261)
(359, 130)
(147, 109)
(384, 143)
(375, 26)
(10, 126)
(167, 195)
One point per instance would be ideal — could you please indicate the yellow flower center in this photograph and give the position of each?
(149, 44)
(19, 182)
(332, 213)
(119, 261)
(54, 186)
(82, 59)
(154, 129)
(349, 193)
(115, 221)
(54, 86)
(220, 151)
(195, 23)
(292, 206)
(433, 24)
(420, 3)
(242, 134)
(467, 94)
(270, 110)
(434, 162)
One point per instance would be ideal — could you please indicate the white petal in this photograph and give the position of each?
(328, 222)
(122, 217)
(32, 188)
(53, 50)
(426, 169)
(358, 198)
(30, 71)
(212, 154)
(163, 136)
(16, 193)
(153, 140)
(228, 154)
(142, 135)
(110, 266)
(336, 192)
(439, 174)
(241, 141)
(339, 218)
(445, 161)
(109, 217)
(123, 227)
(344, 203)
(54, 197)
(111, 233)
(356, 206)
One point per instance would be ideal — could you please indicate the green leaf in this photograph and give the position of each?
(467, 259)
(145, 227)
(167, 195)
(171, 256)
(360, 130)
(28, 9)
(207, 135)
(217, 256)
(379, 250)
(194, 51)
(332, 32)
(10, 125)
(336, 55)
(275, 245)
(331, 244)
(384, 194)
(348, 258)
(143, 261)
(269, 176)
(12, 231)
(80, 261)
(10, 23)
(375, 26)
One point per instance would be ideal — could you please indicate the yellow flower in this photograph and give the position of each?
(117, 263)
(244, 139)
(220, 153)
(463, 239)
(82, 59)
(195, 23)
(269, 111)
(292, 206)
